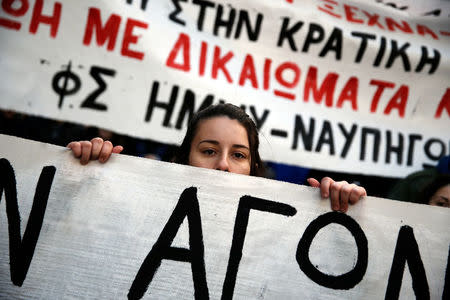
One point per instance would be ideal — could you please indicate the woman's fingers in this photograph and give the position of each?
(93, 149)
(346, 191)
(325, 185)
(335, 194)
(76, 148)
(97, 146)
(105, 152)
(313, 182)
(117, 149)
(341, 193)
(86, 148)
(356, 194)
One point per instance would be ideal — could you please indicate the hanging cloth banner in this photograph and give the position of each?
(142, 228)
(349, 86)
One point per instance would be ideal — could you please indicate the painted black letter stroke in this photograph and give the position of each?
(407, 251)
(21, 250)
(342, 282)
(247, 203)
(187, 206)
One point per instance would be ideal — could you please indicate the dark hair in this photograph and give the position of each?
(233, 112)
(429, 189)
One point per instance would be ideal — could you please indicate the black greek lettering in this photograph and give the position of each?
(90, 102)
(287, 33)
(173, 16)
(259, 121)
(348, 138)
(334, 43)
(412, 140)
(252, 33)
(201, 15)
(188, 107)
(247, 203)
(407, 251)
(433, 61)
(404, 7)
(143, 4)
(429, 144)
(376, 143)
(187, 206)
(307, 137)
(326, 137)
(61, 86)
(168, 107)
(363, 45)
(315, 35)
(435, 12)
(341, 282)
(21, 250)
(381, 51)
(398, 52)
(394, 149)
(221, 22)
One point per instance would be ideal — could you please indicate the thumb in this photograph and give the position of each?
(313, 182)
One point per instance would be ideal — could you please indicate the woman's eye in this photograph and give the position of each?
(239, 155)
(208, 152)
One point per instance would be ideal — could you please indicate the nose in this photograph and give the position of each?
(222, 163)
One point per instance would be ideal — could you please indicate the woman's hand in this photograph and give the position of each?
(341, 193)
(94, 149)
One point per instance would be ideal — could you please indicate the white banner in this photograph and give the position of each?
(142, 228)
(358, 86)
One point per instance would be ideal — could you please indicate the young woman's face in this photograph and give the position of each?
(221, 143)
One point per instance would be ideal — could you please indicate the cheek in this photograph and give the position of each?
(197, 160)
(247, 171)
(243, 169)
(248, 167)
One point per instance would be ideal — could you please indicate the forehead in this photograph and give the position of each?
(443, 191)
(222, 129)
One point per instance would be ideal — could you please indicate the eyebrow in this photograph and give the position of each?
(217, 143)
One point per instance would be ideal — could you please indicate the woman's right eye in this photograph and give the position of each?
(208, 152)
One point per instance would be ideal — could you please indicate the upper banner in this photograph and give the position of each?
(357, 86)
(155, 230)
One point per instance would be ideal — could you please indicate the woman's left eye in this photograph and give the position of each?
(239, 155)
